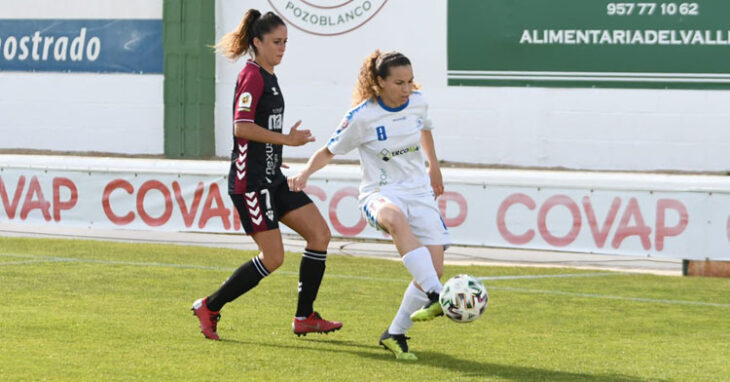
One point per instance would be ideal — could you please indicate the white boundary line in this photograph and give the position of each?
(610, 297)
(49, 259)
(32, 262)
(523, 277)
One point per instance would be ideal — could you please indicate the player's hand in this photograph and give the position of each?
(298, 182)
(284, 165)
(437, 182)
(299, 137)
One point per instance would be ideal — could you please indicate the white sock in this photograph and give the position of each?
(413, 299)
(419, 264)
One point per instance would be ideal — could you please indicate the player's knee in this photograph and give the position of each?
(393, 220)
(324, 235)
(276, 263)
(319, 238)
(272, 263)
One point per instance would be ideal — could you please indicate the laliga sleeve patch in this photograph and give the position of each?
(244, 101)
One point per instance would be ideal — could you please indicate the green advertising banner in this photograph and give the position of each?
(589, 43)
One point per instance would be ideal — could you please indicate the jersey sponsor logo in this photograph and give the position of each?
(387, 155)
(273, 90)
(276, 121)
(244, 101)
(270, 160)
(327, 17)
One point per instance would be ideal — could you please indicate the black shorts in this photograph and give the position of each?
(261, 210)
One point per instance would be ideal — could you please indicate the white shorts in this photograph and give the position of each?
(420, 209)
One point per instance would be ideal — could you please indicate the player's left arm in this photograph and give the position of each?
(434, 170)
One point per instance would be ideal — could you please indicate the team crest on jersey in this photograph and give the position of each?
(244, 101)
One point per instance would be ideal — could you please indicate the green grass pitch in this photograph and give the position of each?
(76, 310)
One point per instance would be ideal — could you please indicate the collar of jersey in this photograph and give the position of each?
(393, 109)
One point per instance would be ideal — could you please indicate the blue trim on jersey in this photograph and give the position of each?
(391, 109)
(350, 114)
(357, 108)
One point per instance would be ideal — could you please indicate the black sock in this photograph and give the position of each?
(311, 271)
(241, 281)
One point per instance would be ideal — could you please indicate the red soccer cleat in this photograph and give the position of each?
(208, 319)
(314, 324)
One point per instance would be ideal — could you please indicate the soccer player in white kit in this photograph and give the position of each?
(401, 179)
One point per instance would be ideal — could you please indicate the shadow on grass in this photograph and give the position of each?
(461, 367)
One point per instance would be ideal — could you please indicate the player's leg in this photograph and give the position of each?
(414, 299)
(301, 215)
(248, 275)
(394, 338)
(243, 279)
(430, 228)
(384, 212)
(268, 238)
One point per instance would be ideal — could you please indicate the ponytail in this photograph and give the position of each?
(366, 86)
(253, 25)
(376, 65)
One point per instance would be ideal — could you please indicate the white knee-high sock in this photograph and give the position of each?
(413, 299)
(419, 264)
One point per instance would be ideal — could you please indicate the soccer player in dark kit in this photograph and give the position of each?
(256, 185)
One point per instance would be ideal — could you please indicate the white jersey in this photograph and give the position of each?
(389, 143)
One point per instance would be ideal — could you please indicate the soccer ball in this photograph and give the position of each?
(463, 298)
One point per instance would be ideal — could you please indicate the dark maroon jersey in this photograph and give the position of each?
(258, 99)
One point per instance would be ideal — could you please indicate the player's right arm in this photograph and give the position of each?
(254, 132)
(320, 159)
(343, 140)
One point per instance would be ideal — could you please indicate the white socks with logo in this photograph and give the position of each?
(419, 264)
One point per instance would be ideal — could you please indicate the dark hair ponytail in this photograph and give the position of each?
(253, 25)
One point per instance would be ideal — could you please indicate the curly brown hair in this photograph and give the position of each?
(376, 65)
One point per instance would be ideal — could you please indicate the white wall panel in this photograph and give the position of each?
(596, 129)
(81, 112)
